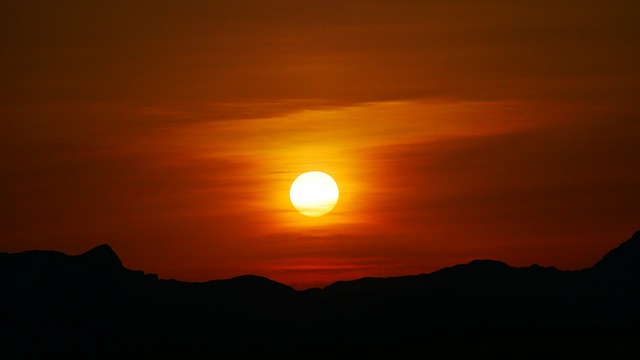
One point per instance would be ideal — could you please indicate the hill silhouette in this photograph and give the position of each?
(91, 304)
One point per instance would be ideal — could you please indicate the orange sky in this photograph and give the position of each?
(455, 130)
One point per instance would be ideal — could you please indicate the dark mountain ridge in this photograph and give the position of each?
(52, 302)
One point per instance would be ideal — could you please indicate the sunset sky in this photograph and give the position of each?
(455, 130)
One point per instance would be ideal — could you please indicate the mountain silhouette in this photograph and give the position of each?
(53, 303)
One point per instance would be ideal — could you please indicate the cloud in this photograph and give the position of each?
(158, 52)
(549, 190)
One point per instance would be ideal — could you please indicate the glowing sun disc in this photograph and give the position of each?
(314, 193)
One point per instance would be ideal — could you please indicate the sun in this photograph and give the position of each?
(314, 193)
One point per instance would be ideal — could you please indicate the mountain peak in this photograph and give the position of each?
(101, 248)
(623, 258)
(102, 256)
(487, 263)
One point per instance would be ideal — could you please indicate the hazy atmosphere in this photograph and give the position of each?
(454, 130)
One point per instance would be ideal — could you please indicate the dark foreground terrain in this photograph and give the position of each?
(53, 303)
